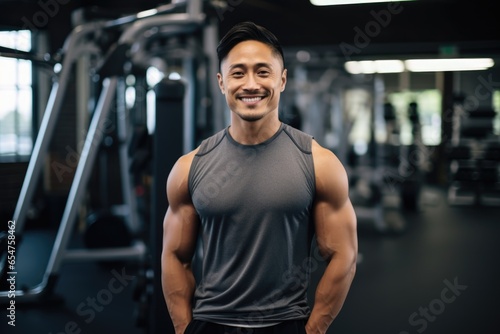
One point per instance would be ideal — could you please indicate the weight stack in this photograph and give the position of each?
(167, 148)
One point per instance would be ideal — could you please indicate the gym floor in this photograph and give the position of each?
(439, 276)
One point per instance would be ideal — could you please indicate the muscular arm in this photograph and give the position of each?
(180, 228)
(335, 224)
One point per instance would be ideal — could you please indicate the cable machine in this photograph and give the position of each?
(133, 48)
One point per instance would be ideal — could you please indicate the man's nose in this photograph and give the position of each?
(251, 83)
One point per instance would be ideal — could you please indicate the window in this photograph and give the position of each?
(429, 111)
(359, 107)
(16, 98)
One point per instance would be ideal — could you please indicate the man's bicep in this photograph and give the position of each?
(180, 229)
(335, 228)
(335, 219)
(180, 225)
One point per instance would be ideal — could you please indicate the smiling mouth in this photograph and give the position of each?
(251, 99)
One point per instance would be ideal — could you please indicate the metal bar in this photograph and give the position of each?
(163, 9)
(47, 125)
(189, 104)
(136, 251)
(25, 55)
(195, 8)
(210, 42)
(130, 35)
(126, 179)
(82, 173)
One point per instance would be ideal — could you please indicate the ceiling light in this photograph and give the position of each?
(389, 66)
(374, 66)
(358, 67)
(347, 2)
(441, 65)
(418, 65)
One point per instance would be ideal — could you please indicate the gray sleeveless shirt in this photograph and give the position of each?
(254, 203)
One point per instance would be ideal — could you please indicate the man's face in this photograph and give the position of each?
(252, 78)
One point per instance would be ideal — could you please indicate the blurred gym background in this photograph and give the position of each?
(99, 98)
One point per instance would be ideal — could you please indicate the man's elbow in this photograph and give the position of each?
(350, 262)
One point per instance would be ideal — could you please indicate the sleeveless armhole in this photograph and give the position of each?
(210, 143)
(302, 140)
(205, 147)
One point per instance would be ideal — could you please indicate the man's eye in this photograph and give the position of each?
(237, 74)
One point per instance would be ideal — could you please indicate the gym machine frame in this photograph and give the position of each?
(165, 18)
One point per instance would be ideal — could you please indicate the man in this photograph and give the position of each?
(255, 193)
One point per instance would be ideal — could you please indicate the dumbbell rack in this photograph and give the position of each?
(474, 157)
(474, 173)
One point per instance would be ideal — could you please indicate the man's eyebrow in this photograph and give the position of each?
(241, 65)
(236, 66)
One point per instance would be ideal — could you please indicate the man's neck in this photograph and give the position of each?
(253, 133)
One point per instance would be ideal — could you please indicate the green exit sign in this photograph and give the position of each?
(448, 50)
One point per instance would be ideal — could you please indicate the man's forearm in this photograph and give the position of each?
(178, 288)
(331, 293)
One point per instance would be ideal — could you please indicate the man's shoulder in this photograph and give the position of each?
(301, 139)
(208, 144)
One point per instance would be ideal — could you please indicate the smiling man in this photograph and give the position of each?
(251, 198)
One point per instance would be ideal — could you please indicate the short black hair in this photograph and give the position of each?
(248, 31)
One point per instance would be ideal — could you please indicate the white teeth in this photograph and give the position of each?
(251, 99)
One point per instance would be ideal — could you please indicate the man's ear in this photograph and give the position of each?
(221, 83)
(283, 79)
